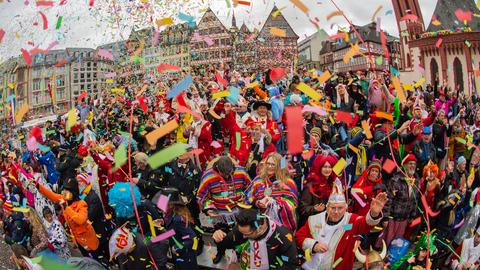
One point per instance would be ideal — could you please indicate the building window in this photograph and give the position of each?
(36, 84)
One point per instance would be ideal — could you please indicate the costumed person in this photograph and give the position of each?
(321, 181)
(259, 146)
(469, 251)
(56, 235)
(148, 180)
(262, 113)
(221, 188)
(330, 236)
(75, 212)
(15, 227)
(47, 159)
(372, 260)
(96, 216)
(430, 184)
(402, 194)
(417, 259)
(199, 134)
(263, 244)
(471, 220)
(274, 192)
(424, 149)
(179, 219)
(38, 244)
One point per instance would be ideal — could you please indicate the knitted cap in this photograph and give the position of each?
(85, 178)
(317, 131)
(8, 206)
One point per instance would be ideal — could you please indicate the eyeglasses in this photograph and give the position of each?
(336, 209)
(269, 164)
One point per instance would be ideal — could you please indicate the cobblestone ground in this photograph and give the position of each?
(4, 257)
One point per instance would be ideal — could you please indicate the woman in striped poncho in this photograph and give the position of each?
(274, 192)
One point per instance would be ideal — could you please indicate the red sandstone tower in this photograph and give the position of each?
(409, 27)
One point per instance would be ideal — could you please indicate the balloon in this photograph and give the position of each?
(32, 144)
(121, 242)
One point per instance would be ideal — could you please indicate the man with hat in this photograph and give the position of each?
(372, 260)
(402, 194)
(330, 236)
(424, 149)
(417, 119)
(469, 251)
(261, 113)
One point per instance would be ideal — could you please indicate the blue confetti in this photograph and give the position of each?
(284, 258)
(234, 93)
(389, 12)
(347, 227)
(283, 163)
(178, 88)
(395, 71)
(9, 98)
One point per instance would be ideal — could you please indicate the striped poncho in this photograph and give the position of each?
(217, 193)
(284, 194)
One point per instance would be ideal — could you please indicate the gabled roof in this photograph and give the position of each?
(244, 29)
(209, 11)
(368, 32)
(280, 22)
(445, 13)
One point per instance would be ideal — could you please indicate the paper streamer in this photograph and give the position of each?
(300, 5)
(72, 118)
(351, 53)
(167, 67)
(379, 8)
(400, 93)
(275, 31)
(383, 39)
(180, 87)
(310, 92)
(158, 133)
(358, 199)
(26, 57)
(237, 140)
(163, 236)
(294, 118)
(220, 79)
(162, 203)
(44, 20)
(415, 222)
(165, 155)
(21, 113)
(220, 94)
(324, 77)
(120, 156)
(183, 109)
(439, 42)
(334, 14)
(314, 109)
(366, 130)
(81, 96)
(339, 166)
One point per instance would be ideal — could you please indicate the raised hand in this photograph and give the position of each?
(378, 203)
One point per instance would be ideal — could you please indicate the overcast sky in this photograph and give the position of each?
(108, 21)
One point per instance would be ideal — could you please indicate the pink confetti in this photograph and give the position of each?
(314, 109)
(439, 42)
(26, 57)
(105, 54)
(2, 33)
(463, 16)
(197, 151)
(91, 2)
(358, 199)
(183, 109)
(44, 3)
(163, 236)
(162, 203)
(215, 144)
(208, 40)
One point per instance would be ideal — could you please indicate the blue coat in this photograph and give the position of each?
(48, 160)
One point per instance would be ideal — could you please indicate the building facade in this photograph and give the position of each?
(309, 50)
(212, 42)
(274, 50)
(244, 52)
(456, 58)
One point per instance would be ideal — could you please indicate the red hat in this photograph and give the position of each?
(408, 158)
(83, 150)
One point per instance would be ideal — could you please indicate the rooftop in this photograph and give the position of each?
(445, 13)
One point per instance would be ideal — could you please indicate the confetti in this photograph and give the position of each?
(44, 19)
(379, 8)
(2, 34)
(400, 93)
(165, 21)
(233, 95)
(167, 67)
(44, 3)
(163, 236)
(237, 140)
(195, 243)
(220, 79)
(165, 155)
(105, 54)
(162, 203)
(334, 14)
(158, 133)
(294, 129)
(308, 255)
(120, 156)
(337, 262)
(180, 87)
(351, 53)
(72, 118)
(21, 113)
(339, 166)
(324, 77)
(358, 199)
(347, 227)
(389, 165)
(310, 92)
(463, 16)
(275, 31)
(220, 94)
(366, 130)
(277, 12)
(300, 5)
(59, 22)
(439, 42)
(26, 57)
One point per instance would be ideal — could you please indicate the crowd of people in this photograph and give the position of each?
(382, 182)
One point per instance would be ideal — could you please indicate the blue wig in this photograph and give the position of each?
(120, 199)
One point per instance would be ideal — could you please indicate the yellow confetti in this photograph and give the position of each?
(252, 85)
(244, 206)
(228, 208)
(308, 255)
(436, 22)
(407, 87)
(300, 5)
(72, 118)
(338, 168)
(420, 82)
(324, 77)
(277, 12)
(351, 53)
(221, 94)
(21, 113)
(109, 81)
(310, 92)
(195, 243)
(165, 21)
(152, 228)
